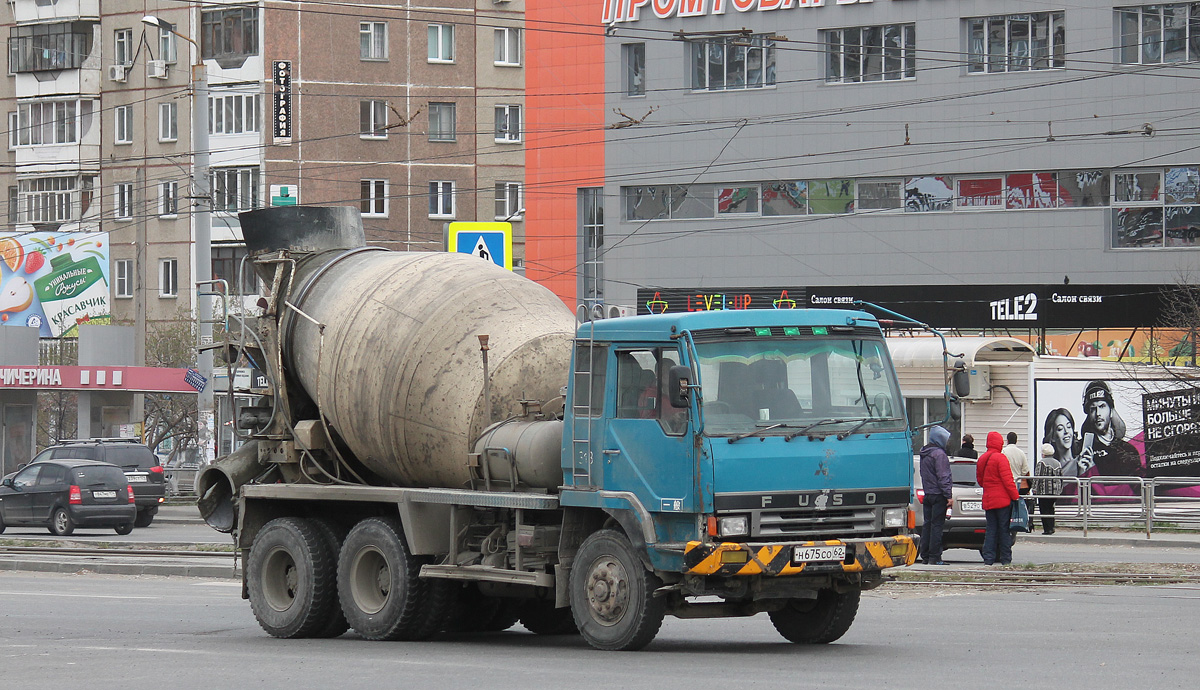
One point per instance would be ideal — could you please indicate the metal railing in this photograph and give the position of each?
(1124, 501)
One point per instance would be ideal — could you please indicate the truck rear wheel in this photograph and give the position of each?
(289, 574)
(817, 621)
(612, 594)
(336, 623)
(379, 584)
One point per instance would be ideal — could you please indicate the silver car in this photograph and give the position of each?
(965, 521)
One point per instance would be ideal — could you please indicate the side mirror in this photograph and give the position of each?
(678, 380)
(961, 380)
(7, 482)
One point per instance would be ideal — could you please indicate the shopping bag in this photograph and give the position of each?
(1019, 522)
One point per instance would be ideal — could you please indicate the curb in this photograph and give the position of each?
(224, 572)
(1081, 540)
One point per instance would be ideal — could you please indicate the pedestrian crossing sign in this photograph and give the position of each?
(488, 241)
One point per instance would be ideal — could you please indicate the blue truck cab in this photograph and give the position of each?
(759, 456)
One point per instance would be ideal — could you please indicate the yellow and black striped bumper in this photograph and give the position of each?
(731, 559)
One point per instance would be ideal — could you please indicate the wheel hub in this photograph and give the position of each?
(608, 591)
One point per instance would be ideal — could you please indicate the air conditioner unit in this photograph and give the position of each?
(616, 312)
(499, 2)
(116, 72)
(981, 383)
(156, 69)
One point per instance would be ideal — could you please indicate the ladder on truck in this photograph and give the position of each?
(581, 409)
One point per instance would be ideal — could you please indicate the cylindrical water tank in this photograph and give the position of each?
(397, 370)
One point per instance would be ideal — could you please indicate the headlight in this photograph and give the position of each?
(895, 517)
(733, 526)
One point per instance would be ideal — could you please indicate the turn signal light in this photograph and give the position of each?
(735, 557)
(912, 519)
(76, 496)
(712, 526)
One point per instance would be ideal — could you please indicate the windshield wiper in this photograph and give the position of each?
(810, 427)
(842, 436)
(756, 432)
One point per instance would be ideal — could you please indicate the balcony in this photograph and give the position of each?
(43, 10)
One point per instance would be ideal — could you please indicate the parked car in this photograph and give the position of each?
(140, 465)
(64, 494)
(965, 520)
(181, 471)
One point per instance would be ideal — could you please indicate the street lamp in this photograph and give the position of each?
(202, 222)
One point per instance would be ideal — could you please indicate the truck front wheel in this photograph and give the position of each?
(612, 594)
(290, 574)
(379, 583)
(817, 621)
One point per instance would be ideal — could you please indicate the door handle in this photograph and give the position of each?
(610, 452)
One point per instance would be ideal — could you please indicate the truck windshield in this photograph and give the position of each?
(833, 385)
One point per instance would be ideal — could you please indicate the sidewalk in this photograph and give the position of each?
(179, 514)
(1112, 537)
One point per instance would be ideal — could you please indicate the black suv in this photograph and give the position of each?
(141, 467)
(65, 494)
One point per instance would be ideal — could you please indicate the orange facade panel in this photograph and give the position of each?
(564, 93)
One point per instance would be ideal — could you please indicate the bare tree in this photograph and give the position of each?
(171, 343)
(1181, 315)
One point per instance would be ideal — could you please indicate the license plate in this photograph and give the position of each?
(817, 554)
(104, 494)
(135, 478)
(968, 506)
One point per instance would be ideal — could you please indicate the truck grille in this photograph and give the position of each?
(815, 524)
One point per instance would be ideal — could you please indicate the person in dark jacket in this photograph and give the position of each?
(939, 491)
(994, 473)
(967, 450)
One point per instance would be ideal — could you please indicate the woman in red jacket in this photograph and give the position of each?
(994, 474)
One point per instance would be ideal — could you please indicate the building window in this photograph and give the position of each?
(234, 189)
(372, 119)
(1141, 187)
(1016, 43)
(167, 52)
(660, 202)
(441, 199)
(880, 195)
(508, 201)
(372, 40)
(871, 53)
(42, 47)
(123, 283)
(442, 122)
(47, 122)
(14, 205)
(732, 62)
(124, 200)
(591, 245)
(234, 113)
(168, 199)
(227, 265)
(1155, 34)
(737, 200)
(633, 58)
(123, 47)
(124, 119)
(168, 277)
(441, 43)
(168, 121)
(508, 124)
(50, 199)
(507, 47)
(979, 193)
(373, 198)
(229, 35)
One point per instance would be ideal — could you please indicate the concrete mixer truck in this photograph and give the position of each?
(442, 448)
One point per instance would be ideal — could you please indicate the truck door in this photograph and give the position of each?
(647, 445)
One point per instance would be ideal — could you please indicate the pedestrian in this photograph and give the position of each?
(938, 486)
(1048, 485)
(994, 473)
(967, 450)
(1021, 470)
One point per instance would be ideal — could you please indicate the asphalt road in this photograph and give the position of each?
(96, 631)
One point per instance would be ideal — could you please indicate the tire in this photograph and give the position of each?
(290, 574)
(378, 583)
(540, 617)
(61, 524)
(123, 528)
(2, 525)
(472, 611)
(335, 624)
(145, 516)
(817, 621)
(612, 594)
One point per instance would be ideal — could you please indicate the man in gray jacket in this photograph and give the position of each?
(939, 491)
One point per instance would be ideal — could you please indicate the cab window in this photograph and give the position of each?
(641, 387)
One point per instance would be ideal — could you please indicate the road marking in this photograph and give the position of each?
(77, 596)
(157, 650)
(217, 584)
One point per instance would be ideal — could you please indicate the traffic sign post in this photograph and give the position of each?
(489, 241)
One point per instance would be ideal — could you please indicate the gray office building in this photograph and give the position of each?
(1009, 159)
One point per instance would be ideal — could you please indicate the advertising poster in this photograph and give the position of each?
(928, 194)
(1121, 428)
(54, 281)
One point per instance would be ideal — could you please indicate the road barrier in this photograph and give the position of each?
(1093, 501)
